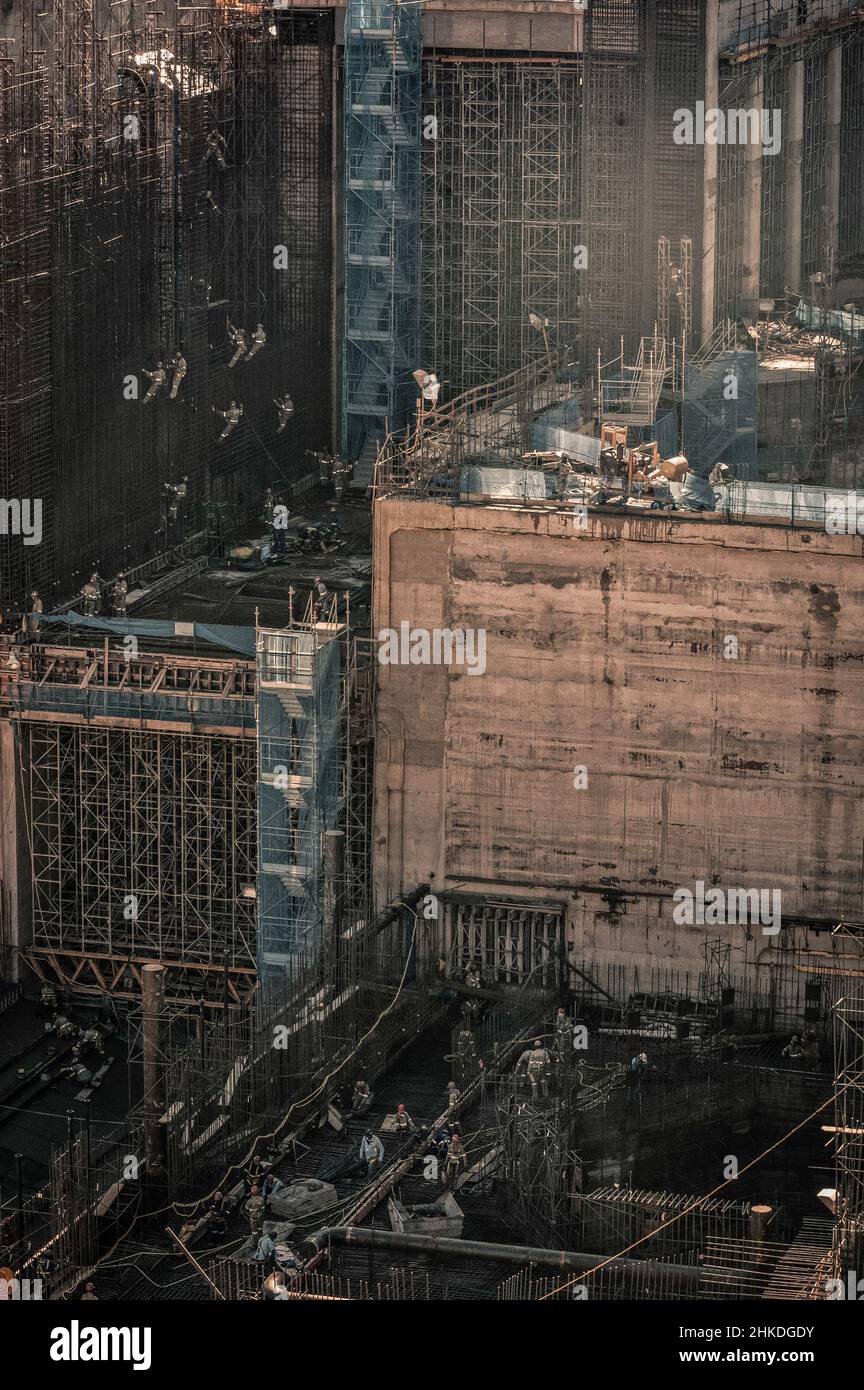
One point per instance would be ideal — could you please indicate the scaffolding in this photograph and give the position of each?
(642, 62)
(302, 767)
(491, 425)
(140, 817)
(501, 212)
(382, 222)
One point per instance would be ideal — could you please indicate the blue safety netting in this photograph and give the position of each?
(719, 414)
(229, 636)
(299, 769)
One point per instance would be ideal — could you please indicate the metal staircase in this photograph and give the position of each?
(382, 199)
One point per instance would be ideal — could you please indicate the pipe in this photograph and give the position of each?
(152, 998)
(333, 843)
(683, 1277)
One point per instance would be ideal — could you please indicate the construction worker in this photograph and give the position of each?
(284, 409)
(118, 595)
(271, 1186)
(215, 148)
(455, 1161)
(563, 1033)
(91, 595)
(269, 505)
(254, 1209)
(256, 1172)
(472, 976)
(77, 1071)
(361, 1097)
(157, 379)
(466, 1051)
(180, 366)
(259, 338)
(319, 599)
(371, 1152)
(91, 1037)
(794, 1050)
(340, 471)
(453, 1096)
(30, 620)
(231, 416)
(564, 471)
(536, 1062)
(637, 1068)
(218, 1216)
(240, 341)
(404, 1124)
(174, 494)
(48, 998)
(265, 1254)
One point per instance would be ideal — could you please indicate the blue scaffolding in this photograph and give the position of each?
(299, 716)
(383, 55)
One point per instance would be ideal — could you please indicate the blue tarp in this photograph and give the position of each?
(664, 430)
(235, 639)
(719, 414)
(584, 447)
(832, 321)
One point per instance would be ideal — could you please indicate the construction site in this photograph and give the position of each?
(432, 651)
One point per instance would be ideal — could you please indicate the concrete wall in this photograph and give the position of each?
(605, 648)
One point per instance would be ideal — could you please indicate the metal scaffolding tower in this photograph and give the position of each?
(301, 719)
(382, 234)
(139, 805)
(501, 212)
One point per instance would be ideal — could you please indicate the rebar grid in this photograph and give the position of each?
(124, 241)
